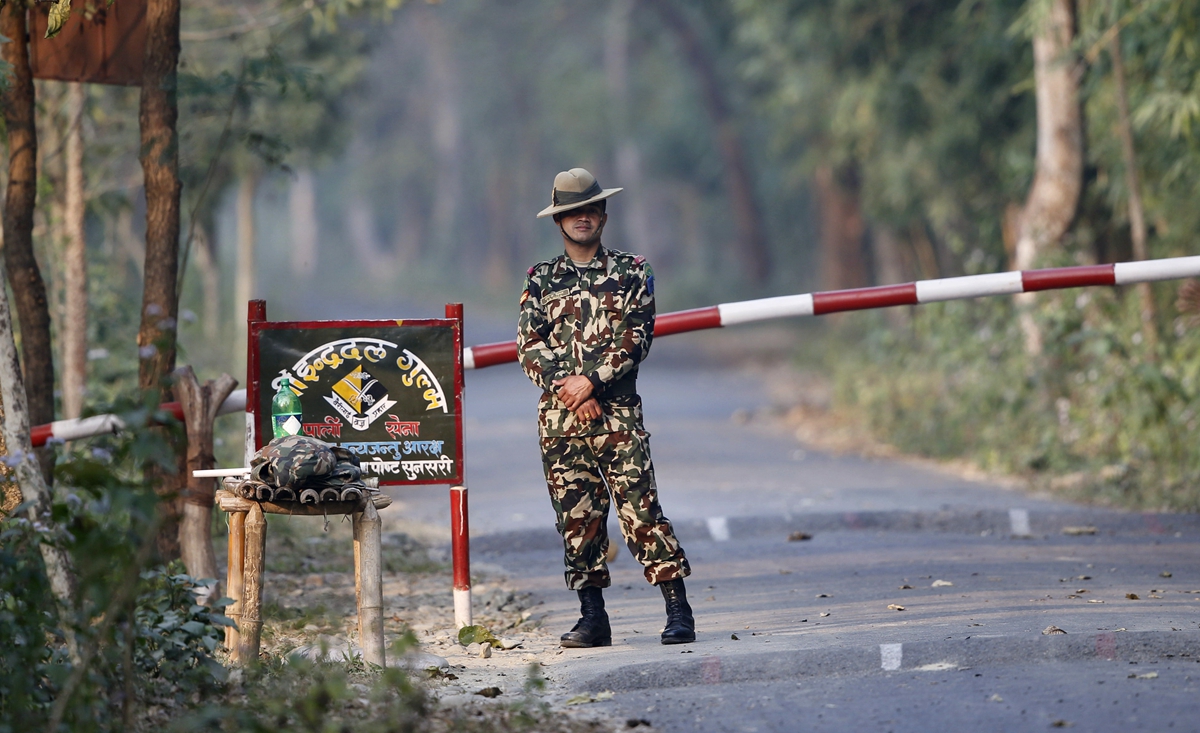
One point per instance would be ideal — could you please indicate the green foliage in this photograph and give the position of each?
(27, 662)
(146, 641)
(924, 104)
(296, 694)
(477, 635)
(1111, 419)
(175, 636)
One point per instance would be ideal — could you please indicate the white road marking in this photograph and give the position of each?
(890, 656)
(1019, 519)
(718, 527)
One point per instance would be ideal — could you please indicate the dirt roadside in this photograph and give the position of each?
(309, 611)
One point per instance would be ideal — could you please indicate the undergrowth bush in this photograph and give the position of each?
(1099, 413)
(143, 639)
(152, 658)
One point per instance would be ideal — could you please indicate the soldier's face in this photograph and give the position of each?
(583, 225)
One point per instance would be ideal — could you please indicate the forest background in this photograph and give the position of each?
(364, 160)
(370, 158)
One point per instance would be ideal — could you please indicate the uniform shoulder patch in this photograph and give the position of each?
(540, 269)
(638, 259)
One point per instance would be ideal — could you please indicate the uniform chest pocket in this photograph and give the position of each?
(608, 316)
(559, 305)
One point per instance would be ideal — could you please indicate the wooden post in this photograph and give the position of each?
(200, 404)
(368, 575)
(237, 559)
(252, 589)
(356, 533)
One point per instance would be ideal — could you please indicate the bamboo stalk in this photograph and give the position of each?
(368, 571)
(233, 581)
(1137, 216)
(252, 589)
(230, 503)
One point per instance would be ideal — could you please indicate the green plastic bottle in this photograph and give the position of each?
(285, 411)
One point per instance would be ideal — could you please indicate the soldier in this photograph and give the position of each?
(587, 318)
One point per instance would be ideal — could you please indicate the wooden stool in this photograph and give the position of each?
(247, 548)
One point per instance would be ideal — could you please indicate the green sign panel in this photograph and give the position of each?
(384, 390)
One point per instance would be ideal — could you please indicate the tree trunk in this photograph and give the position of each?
(739, 183)
(29, 289)
(889, 269)
(446, 127)
(157, 117)
(200, 405)
(243, 278)
(302, 208)
(25, 468)
(1058, 174)
(75, 278)
(636, 219)
(843, 264)
(1137, 215)
(210, 279)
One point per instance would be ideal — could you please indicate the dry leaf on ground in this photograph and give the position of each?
(1075, 531)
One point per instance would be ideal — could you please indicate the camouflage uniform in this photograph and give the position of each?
(597, 321)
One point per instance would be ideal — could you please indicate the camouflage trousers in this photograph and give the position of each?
(580, 473)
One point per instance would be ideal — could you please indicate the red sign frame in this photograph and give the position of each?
(257, 324)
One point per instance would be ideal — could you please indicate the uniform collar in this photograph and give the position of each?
(566, 265)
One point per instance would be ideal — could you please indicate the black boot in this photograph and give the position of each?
(592, 629)
(681, 627)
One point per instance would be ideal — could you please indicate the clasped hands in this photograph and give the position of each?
(576, 393)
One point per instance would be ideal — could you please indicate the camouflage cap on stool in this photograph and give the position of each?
(575, 188)
(292, 461)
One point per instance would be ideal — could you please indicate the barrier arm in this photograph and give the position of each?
(764, 309)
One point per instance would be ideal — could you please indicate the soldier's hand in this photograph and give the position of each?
(574, 390)
(589, 411)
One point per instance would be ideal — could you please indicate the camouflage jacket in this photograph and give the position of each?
(596, 321)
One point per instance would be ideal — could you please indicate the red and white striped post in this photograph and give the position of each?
(460, 526)
(256, 312)
(460, 549)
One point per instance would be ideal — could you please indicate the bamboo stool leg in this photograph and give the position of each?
(252, 589)
(368, 572)
(356, 528)
(233, 579)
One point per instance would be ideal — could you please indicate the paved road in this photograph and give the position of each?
(817, 646)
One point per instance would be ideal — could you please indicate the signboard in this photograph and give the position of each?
(388, 391)
(100, 43)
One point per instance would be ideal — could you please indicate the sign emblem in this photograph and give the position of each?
(359, 398)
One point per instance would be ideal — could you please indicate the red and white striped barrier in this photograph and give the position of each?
(884, 296)
(90, 427)
(764, 309)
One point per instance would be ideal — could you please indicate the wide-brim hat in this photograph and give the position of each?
(574, 188)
